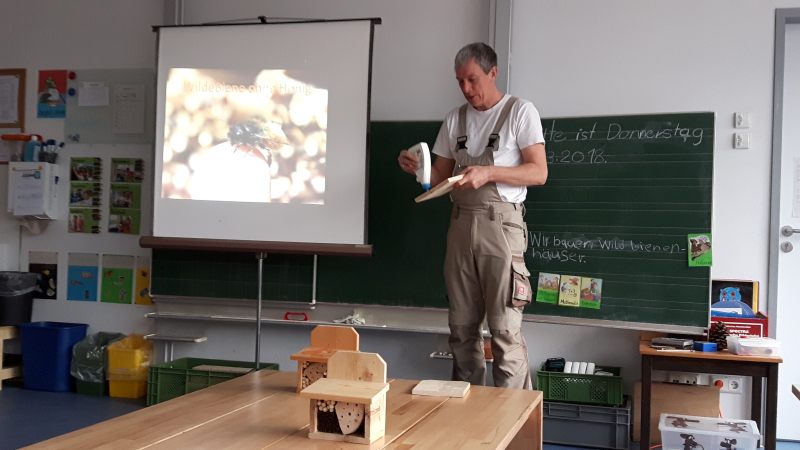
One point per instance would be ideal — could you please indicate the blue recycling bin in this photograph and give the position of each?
(47, 354)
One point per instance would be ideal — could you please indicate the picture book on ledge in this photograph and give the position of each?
(734, 298)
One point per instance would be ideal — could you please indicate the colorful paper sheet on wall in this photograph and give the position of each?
(85, 195)
(51, 100)
(591, 292)
(46, 265)
(117, 279)
(700, 252)
(82, 276)
(142, 294)
(126, 195)
(569, 293)
(547, 290)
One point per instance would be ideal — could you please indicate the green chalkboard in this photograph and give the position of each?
(622, 195)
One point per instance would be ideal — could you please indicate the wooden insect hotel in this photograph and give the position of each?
(312, 361)
(350, 404)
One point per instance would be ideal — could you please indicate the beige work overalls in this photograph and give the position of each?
(486, 237)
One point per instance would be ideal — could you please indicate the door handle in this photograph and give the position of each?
(788, 231)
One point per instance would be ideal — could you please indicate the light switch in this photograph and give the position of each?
(741, 140)
(741, 120)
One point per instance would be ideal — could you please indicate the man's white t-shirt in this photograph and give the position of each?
(522, 129)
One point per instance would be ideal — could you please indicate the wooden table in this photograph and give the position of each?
(262, 410)
(759, 368)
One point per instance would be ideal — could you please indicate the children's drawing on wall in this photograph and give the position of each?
(142, 290)
(82, 277)
(245, 136)
(569, 291)
(46, 265)
(547, 289)
(700, 250)
(51, 101)
(117, 279)
(591, 292)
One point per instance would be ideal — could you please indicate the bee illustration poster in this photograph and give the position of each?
(261, 136)
(51, 100)
(82, 276)
(591, 292)
(700, 250)
(117, 279)
(46, 265)
(142, 294)
(569, 293)
(547, 290)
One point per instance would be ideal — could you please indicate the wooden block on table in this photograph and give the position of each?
(441, 388)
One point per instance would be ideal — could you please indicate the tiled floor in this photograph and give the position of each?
(27, 417)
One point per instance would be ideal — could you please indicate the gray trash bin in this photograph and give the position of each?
(17, 290)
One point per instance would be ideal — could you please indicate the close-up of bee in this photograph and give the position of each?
(257, 138)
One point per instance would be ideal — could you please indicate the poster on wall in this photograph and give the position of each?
(82, 276)
(117, 279)
(142, 292)
(51, 100)
(46, 265)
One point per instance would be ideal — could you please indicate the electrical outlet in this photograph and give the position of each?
(728, 383)
(684, 378)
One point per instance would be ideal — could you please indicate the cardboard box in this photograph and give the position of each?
(756, 326)
(673, 399)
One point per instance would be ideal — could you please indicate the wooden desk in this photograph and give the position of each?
(723, 362)
(261, 410)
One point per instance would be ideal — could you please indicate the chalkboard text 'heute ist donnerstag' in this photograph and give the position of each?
(616, 132)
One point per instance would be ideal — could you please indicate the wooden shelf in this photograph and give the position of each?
(7, 332)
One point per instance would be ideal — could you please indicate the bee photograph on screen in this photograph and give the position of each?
(246, 136)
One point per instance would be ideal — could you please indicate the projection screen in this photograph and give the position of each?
(261, 132)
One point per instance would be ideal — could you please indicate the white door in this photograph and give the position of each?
(785, 263)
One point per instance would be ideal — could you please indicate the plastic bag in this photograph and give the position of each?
(17, 283)
(89, 356)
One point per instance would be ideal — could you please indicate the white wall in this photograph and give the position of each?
(571, 57)
(83, 34)
(583, 57)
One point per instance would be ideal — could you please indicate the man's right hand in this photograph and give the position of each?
(408, 162)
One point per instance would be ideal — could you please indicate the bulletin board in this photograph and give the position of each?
(111, 106)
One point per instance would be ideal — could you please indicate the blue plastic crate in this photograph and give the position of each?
(47, 354)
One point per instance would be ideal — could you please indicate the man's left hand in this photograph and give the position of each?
(474, 177)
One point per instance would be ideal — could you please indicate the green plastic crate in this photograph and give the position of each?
(175, 378)
(576, 388)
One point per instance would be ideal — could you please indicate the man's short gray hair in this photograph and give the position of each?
(483, 54)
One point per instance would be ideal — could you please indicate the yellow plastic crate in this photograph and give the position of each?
(131, 353)
(127, 383)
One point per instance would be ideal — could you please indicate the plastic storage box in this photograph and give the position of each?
(590, 389)
(128, 362)
(47, 354)
(679, 432)
(753, 346)
(173, 379)
(599, 426)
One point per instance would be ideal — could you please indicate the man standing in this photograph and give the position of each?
(496, 142)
